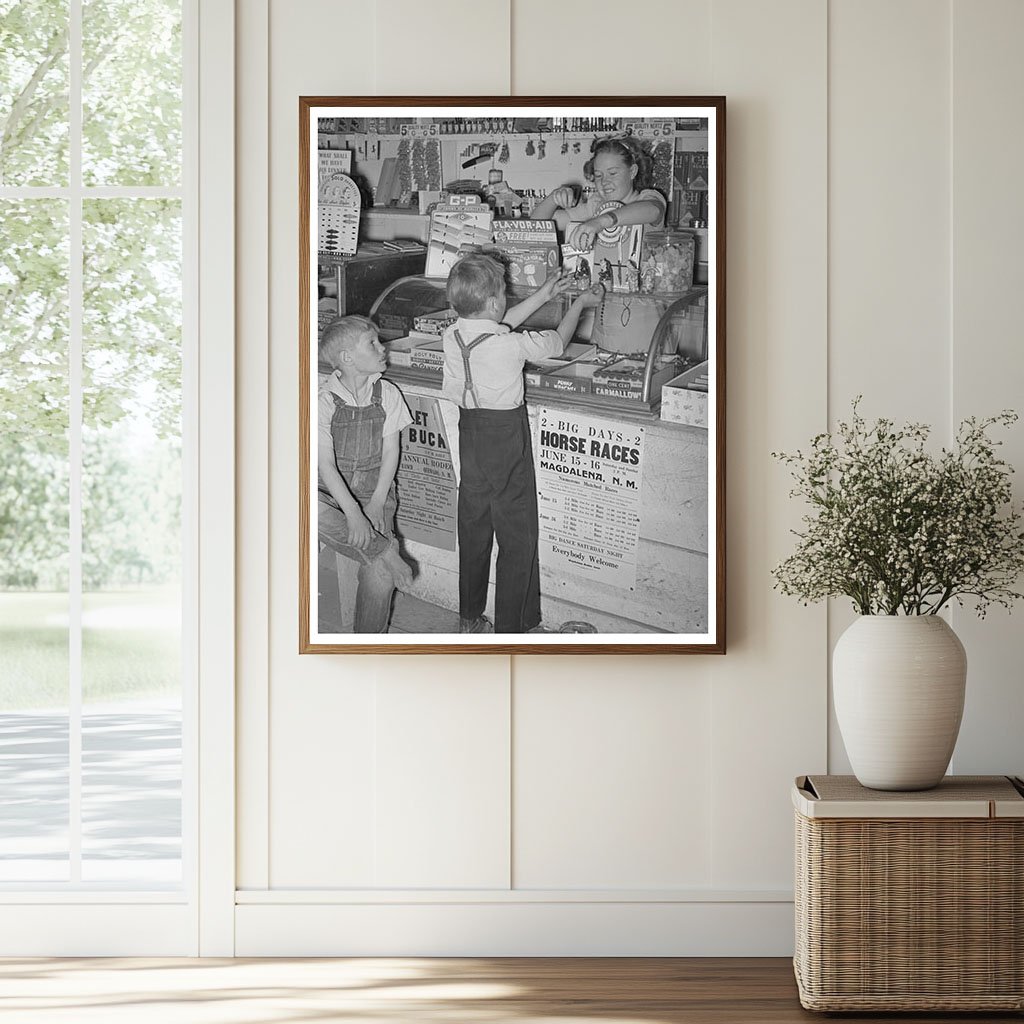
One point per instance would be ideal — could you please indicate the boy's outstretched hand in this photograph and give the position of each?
(556, 284)
(592, 296)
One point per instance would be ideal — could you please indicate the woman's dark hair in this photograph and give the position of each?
(632, 150)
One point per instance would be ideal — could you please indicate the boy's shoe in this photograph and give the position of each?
(541, 628)
(481, 624)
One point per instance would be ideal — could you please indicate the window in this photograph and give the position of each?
(95, 464)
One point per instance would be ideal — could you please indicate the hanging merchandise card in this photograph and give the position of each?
(614, 260)
(456, 227)
(338, 206)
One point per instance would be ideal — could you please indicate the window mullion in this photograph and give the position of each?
(75, 333)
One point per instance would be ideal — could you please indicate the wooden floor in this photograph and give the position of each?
(383, 991)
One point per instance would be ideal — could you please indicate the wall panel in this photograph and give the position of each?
(442, 769)
(581, 48)
(326, 734)
(873, 240)
(889, 241)
(319, 759)
(768, 693)
(612, 781)
(987, 362)
(442, 47)
(888, 182)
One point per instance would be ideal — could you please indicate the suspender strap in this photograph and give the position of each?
(468, 387)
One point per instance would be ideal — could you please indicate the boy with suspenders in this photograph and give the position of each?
(483, 375)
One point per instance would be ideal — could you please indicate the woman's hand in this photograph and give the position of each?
(360, 531)
(563, 197)
(587, 232)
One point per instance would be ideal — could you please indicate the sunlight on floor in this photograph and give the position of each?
(185, 991)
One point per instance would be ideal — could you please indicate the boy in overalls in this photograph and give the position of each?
(360, 418)
(483, 376)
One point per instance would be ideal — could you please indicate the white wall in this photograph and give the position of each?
(533, 805)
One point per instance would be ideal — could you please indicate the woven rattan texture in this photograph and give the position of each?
(959, 787)
(915, 914)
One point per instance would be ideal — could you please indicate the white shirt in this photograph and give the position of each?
(396, 412)
(496, 365)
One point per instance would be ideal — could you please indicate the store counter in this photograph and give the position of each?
(623, 510)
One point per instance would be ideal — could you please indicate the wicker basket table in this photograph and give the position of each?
(910, 901)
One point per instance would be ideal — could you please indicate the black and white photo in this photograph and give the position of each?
(512, 375)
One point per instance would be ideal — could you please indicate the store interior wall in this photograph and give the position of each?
(874, 227)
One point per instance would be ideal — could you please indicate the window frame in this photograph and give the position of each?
(75, 918)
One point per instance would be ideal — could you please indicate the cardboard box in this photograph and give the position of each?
(685, 398)
(435, 324)
(576, 377)
(427, 355)
(625, 379)
(399, 352)
(422, 353)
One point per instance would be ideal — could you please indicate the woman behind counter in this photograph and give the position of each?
(620, 169)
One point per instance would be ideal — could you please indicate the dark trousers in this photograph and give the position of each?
(498, 500)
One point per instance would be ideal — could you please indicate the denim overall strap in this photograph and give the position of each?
(358, 433)
(468, 387)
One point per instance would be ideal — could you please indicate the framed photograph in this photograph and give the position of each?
(512, 375)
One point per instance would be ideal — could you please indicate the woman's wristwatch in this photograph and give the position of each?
(614, 219)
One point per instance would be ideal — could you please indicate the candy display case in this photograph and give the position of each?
(637, 344)
(622, 355)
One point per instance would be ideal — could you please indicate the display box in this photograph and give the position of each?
(435, 324)
(529, 250)
(684, 399)
(624, 378)
(577, 377)
(423, 353)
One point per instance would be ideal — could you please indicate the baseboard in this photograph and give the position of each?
(515, 928)
(96, 929)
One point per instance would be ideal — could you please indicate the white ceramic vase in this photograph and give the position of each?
(898, 684)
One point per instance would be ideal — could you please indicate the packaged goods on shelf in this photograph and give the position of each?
(427, 356)
(435, 323)
(624, 378)
(420, 353)
(577, 377)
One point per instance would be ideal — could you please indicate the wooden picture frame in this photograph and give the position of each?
(627, 426)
